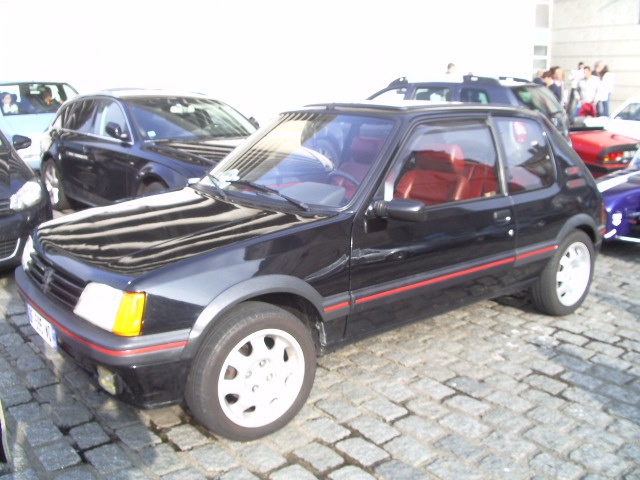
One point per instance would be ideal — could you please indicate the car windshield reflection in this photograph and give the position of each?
(170, 118)
(306, 159)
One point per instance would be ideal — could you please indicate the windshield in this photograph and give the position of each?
(30, 98)
(165, 118)
(311, 159)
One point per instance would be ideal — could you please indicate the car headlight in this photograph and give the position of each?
(112, 309)
(30, 194)
(26, 253)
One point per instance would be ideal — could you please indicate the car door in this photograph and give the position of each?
(73, 148)
(402, 270)
(111, 158)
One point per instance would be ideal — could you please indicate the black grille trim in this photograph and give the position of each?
(55, 283)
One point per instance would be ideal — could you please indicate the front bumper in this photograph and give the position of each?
(150, 369)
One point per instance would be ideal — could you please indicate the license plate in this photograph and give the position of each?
(43, 327)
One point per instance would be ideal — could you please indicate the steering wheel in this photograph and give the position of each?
(350, 178)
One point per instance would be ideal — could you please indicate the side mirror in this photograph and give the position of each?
(254, 122)
(114, 130)
(400, 209)
(20, 142)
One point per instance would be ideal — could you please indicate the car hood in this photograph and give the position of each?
(137, 236)
(202, 153)
(603, 138)
(619, 181)
(29, 125)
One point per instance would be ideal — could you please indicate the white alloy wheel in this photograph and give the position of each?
(574, 273)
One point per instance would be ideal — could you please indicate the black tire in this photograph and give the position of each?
(53, 184)
(565, 281)
(252, 373)
(151, 188)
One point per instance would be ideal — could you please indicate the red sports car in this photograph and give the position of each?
(601, 150)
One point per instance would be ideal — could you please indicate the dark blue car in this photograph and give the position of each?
(621, 196)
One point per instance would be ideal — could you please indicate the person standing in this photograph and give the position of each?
(588, 86)
(557, 86)
(605, 89)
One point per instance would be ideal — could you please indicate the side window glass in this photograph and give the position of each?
(110, 112)
(473, 95)
(528, 162)
(446, 162)
(433, 94)
(80, 116)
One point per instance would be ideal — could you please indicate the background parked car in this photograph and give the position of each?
(621, 197)
(474, 89)
(603, 151)
(119, 144)
(24, 202)
(624, 120)
(29, 110)
(223, 293)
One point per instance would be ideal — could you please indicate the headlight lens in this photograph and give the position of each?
(26, 253)
(30, 194)
(112, 309)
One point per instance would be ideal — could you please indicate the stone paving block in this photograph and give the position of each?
(40, 378)
(450, 469)
(362, 451)
(500, 466)
(467, 405)
(551, 417)
(213, 459)
(511, 445)
(598, 461)
(40, 432)
(470, 386)
(326, 430)
(427, 408)
(108, 459)
(419, 428)
(162, 459)
(556, 468)
(432, 389)
(460, 447)
(510, 401)
(392, 391)
(320, 457)
(551, 439)
(465, 426)
(56, 456)
(338, 409)
(292, 472)
(385, 409)
(396, 470)
(28, 412)
(68, 415)
(186, 437)
(83, 472)
(375, 430)
(185, 474)
(350, 473)
(137, 437)
(15, 395)
(129, 474)
(544, 383)
(117, 415)
(89, 435)
(262, 458)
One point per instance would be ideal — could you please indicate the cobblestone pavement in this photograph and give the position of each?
(493, 390)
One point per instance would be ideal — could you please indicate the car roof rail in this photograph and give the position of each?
(480, 80)
(398, 82)
(515, 79)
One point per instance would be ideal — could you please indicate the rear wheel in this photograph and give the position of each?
(564, 283)
(253, 372)
(53, 184)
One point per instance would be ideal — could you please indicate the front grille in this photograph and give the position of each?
(4, 206)
(8, 248)
(55, 283)
(214, 153)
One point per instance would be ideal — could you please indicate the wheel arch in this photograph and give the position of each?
(584, 223)
(289, 293)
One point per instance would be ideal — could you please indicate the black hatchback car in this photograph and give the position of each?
(517, 92)
(223, 293)
(23, 201)
(118, 144)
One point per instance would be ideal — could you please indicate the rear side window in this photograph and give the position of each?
(474, 95)
(433, 94)
(539, 99)
(79, 116)
(528, 162)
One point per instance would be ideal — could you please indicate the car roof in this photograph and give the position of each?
(463, 79)
(414, 106)
(128, 92)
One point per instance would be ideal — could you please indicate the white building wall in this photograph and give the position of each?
(593, 30)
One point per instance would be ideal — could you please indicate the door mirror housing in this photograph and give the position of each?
(114, 130)
(20, 142)
(400, 209)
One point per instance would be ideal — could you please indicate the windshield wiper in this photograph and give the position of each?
(264, 189)
(215, 186)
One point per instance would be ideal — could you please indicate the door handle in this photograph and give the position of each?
(502, 217)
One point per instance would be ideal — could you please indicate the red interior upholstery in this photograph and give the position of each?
(364, 151)
(481, 178)
(438, 176)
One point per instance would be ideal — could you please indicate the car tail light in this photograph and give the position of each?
(519, 132)
(618, 156)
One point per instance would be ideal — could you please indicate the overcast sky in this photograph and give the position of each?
(262, 56)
